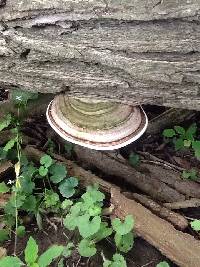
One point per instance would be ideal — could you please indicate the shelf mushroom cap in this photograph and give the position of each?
(96, 124)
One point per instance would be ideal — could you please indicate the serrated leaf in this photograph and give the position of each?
(50, 255)
(10, 261)
(88, 227)
(195, 225)
(118, 261)
(58, 172)
(31, 251)
(163, 264)
(5, 122)
(169, 133)
(21, 231)
(180, 130)
(68, 250)
(124, 242)
(10, 144)
(66, 203)
(92, 196)
(125, 227)
(67, 187)
(86, 248)
(51, 198)
(46, 160)
(4, 235)
(43, 171)
(4, 188)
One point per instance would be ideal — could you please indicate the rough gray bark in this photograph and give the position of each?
(138, 51)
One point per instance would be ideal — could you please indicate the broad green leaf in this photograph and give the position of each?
(123, 228)
(29, 203)
(118, 261)
(10, 144)
(94, 210)
(179, 143)
(17, 201)
(21, 231)
(27, 185)
(50, 255)
(169, 133)
(163, 264)
(4, 188)
(180, 130)
(4, 235)
(92, 196)
(67, 187)
(43, 171)
(5, 122)
(104, 231)
(70, 222)
(58, 172)
(66, 204)
(31, 251)
(191, 132)
(10, 261)
(86, 248)
(46, 160)
(68, 250)
(124, 242)
(195, 225)
(51, 198)
(134, 159)
(35, 265)
(88, 227)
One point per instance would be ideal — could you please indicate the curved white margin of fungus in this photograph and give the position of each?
(95, 147)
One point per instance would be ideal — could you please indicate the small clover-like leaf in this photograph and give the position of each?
(163, 264)
(124, 242)
(88, 227)
(195, 225)
(86, 248)
(31, 251)
(125, 227)
(58, 172)
(43, 171)
(4, 188)
(67, 187)
(169, 133)
(46, 160)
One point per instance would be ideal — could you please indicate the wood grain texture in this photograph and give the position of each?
(135, 51)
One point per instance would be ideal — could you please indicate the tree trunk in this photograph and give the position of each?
(135, 51)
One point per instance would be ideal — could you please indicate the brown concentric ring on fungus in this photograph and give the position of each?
(100, 125)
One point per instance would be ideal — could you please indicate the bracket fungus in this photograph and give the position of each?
(96, 124)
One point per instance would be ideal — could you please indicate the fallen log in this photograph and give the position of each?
(189, 203)
(106, 163)
(181, 248)
(174, 218)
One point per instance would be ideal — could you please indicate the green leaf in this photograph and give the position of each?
(46, 160)
(124, 242)
(68, 250)
(103, 232)
(187, 143)
(118, 261)
(95, 210)
(88, 227)
(179, 143)
(191, 174)
(191, 132)
(67, 187)
(92, 196)
(58, 172)
(31, 251)
(4, 188)
(18, 201)
(10, 261)
(21, 97)
(195, 225)
(86, 248)
(61, 263)
(4, 235)
(27, 185)
(10, 144)
(196, 147)
(43, 171)
(50, 255)
(51, 198)
(5, 122)
(35, 265)
(134, 159)
(163, 264)
(169, 133)
(123, 228)
(66, 204)
(180, 130)
(70, 222)
(29, 204)
(21, 231)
